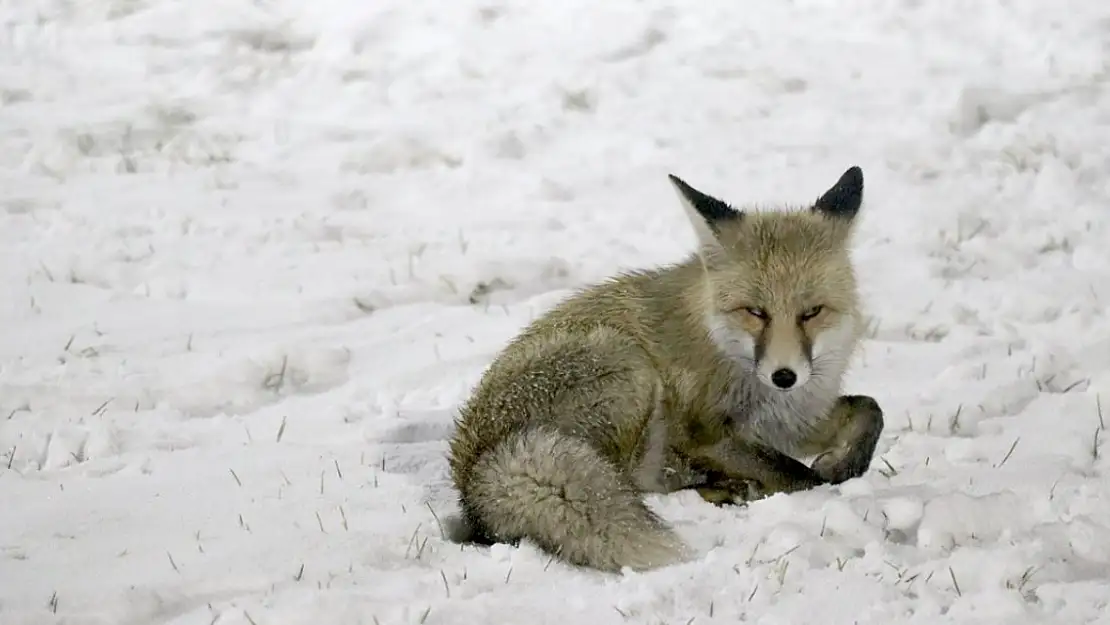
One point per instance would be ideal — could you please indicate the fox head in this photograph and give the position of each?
(780, 295)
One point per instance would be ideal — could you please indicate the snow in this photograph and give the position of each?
(254, 254)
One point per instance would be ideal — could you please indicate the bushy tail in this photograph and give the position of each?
(560, 493)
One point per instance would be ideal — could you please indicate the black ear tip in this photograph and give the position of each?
(853, 176)
(709, 207)
(845, 197)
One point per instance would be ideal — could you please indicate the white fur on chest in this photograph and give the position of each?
(779, 419)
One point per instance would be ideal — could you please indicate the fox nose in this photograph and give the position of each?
(784, 378)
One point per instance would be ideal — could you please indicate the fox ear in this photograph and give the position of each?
(843, 200)
(706, 212)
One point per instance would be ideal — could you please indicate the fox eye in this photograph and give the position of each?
(811, 313)
(758, 313)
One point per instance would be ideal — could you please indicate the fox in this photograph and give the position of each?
(718, 373)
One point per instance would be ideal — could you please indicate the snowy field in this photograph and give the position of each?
(254, 254)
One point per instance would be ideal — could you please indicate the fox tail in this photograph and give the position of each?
(559, 492)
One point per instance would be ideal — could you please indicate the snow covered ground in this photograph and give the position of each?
(253, 254)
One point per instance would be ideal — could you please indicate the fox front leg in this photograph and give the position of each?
(855, 424)
(738, 471)
(731, 492)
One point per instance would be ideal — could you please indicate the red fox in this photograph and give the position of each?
(714, 374)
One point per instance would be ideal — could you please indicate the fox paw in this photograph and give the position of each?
(733, 493)
(862, 426)
(839, 466)
(845, 462)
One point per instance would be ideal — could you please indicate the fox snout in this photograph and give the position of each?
(783, 356)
